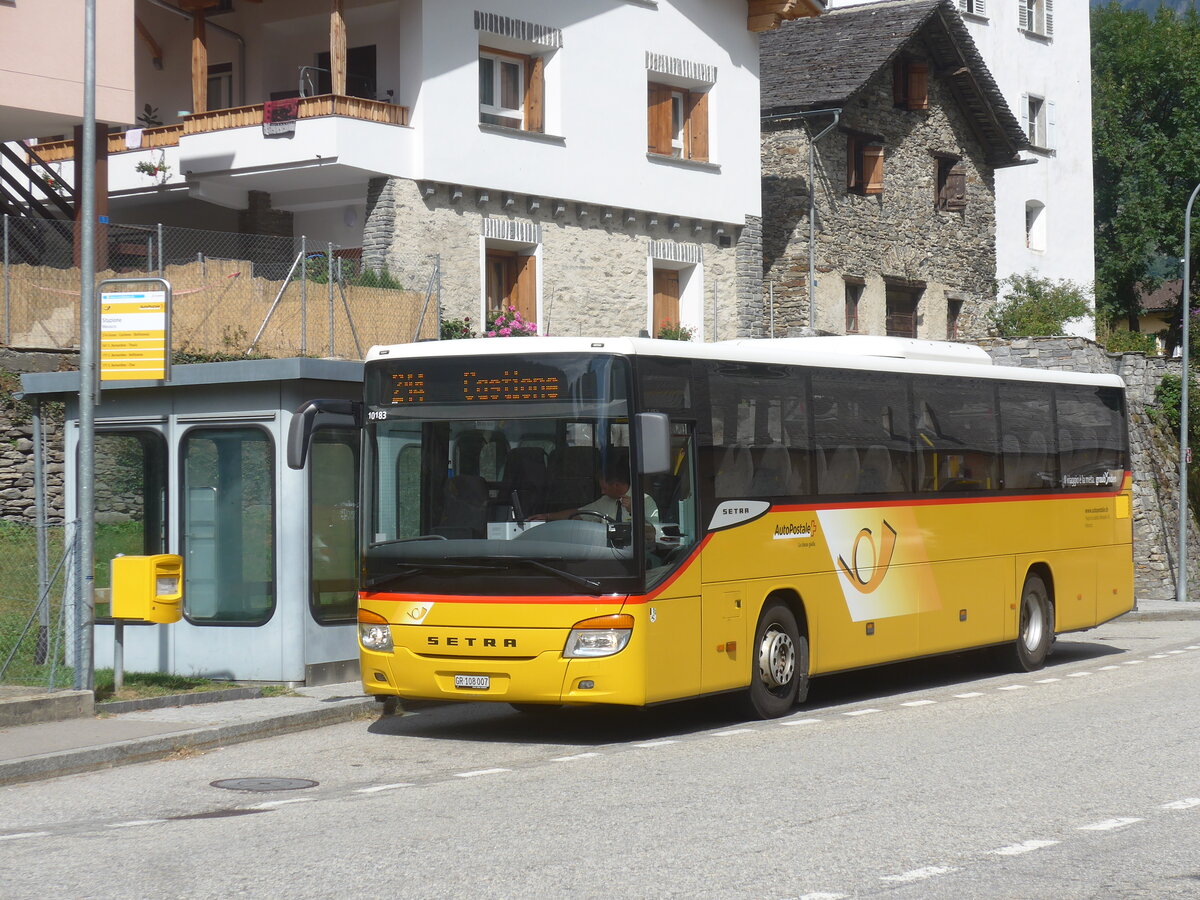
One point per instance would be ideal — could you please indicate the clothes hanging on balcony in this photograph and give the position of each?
(279, 116)
(133, 139)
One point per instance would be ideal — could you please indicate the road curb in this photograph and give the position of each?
(115, 707)
(119, 753)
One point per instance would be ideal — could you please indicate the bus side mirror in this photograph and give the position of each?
(313, 416)
(654, 443)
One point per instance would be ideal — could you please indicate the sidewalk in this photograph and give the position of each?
(46, 749)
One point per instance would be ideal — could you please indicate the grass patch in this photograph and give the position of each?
(140, 685)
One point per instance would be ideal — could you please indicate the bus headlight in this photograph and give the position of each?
(374, 631)
(601, 636)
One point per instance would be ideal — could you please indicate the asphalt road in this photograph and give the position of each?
(940, 779)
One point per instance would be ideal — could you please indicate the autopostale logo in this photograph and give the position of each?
(869, 561)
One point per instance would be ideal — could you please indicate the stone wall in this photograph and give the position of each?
(17, 499)
(594, 262)
(1155, 454)
(898, 237)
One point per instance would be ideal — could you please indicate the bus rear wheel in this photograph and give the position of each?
(1035, 628)
(779, 665)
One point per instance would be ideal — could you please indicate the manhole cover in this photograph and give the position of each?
(263, 785)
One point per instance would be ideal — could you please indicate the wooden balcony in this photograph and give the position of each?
(237, 117)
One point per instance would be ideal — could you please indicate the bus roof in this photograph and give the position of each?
(865, 352)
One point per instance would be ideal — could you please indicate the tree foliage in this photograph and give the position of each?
(1033, 306)
(1146, 139)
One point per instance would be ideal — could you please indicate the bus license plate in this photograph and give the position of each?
(473, 682)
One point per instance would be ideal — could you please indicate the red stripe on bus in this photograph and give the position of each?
(948, 501)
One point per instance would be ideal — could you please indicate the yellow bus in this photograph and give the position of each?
(776, 510)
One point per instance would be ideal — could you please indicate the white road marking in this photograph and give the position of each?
(23, 834)
(919, 703)
(1012, 687)
(375, 789)
(1108, 824)
(1192, 647)
(968, 695)
(1175, 652)
(733, 732)
(861, 712)
(1047, 680)
(801, 722)
(823, 896)
(1189, 803)
(1023, 847)
(1108, 668)
(918, 874)
(576, 756)
(480, 772)
(271, 804)
(135, 823)
(652, 744)
(1157, 656)
(1133, 662)
(1078, 674)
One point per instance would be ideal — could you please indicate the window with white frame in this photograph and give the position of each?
(973, 7)
(1035, 225)
(505, 89)
(1036, 17)
(1038, 115)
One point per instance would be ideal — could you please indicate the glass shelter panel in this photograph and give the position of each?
(228, 534)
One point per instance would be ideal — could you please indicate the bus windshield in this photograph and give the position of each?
(504, 473)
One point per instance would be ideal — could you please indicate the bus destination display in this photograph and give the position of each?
(477, 385)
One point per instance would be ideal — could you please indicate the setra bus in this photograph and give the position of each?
(795, 507)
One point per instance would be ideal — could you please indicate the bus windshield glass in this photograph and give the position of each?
(503, 473)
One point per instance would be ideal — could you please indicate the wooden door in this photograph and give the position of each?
(666, 299)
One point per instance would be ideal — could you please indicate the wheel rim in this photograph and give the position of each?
(776, 658)
(1033, 622)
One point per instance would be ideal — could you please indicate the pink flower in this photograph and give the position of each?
(491, 334)
(505, 332)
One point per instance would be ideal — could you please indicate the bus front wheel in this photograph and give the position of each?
(779, 667)
(1035, 629)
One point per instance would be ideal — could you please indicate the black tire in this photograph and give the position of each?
(1035, 627)
(778, 665)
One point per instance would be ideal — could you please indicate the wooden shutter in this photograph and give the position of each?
(698, 126)
(1049, 32)
(525, 289)
(956, 188)
(918, 86)
(872, 169)
(666, 299)
(1023, 22)
(658, 131)
(535, 94)
(980, 8)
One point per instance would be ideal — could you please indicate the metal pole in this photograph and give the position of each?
(437, 262)
(160, 250)
(118, 655)
(7, 291)
(304, 295)
(771, 301)
(329, 280)
(85, 674)
(1182, 577)
(43, 555)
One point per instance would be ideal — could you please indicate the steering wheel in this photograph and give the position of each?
(591, 512)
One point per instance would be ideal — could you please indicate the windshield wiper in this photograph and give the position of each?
(592, 587)
(416, 570)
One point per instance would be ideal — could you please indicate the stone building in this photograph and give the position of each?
(884, 121)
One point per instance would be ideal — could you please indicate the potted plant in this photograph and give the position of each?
(157, 169)
(507, 322)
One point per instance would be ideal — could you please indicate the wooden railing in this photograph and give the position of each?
(237, 117)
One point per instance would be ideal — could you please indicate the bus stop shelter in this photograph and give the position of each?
(197, 467)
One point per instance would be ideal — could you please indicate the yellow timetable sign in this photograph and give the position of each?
(133, 336)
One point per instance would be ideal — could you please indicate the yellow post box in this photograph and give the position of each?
(149, 588)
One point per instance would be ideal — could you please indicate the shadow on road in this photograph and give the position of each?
(590, 727)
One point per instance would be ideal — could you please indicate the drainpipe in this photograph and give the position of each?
(812, 191)
(241, 42)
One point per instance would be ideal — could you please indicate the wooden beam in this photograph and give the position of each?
(337, 48)
(199, 64)
(156, 55)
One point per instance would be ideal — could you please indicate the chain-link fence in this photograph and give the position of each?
(234, 294)
(35, 614)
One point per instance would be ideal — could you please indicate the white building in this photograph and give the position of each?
(592, 162)
(1039, 53)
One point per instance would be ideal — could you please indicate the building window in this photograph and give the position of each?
(951, 184)
(1035, 225)
(910, 84)
(512, 90)
(973, 7)
(220, 86)
(1036, 17)
(510, 280)
(854, 292)
(954, 307)
(901, 312)
(677, 122)
(1038, 115)
(864, 165)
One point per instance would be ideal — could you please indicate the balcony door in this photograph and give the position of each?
(360, 73)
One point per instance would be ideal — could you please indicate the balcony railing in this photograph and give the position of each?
(237, 117)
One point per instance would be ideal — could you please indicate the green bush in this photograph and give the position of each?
(1125, 341)
(1033, 306)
